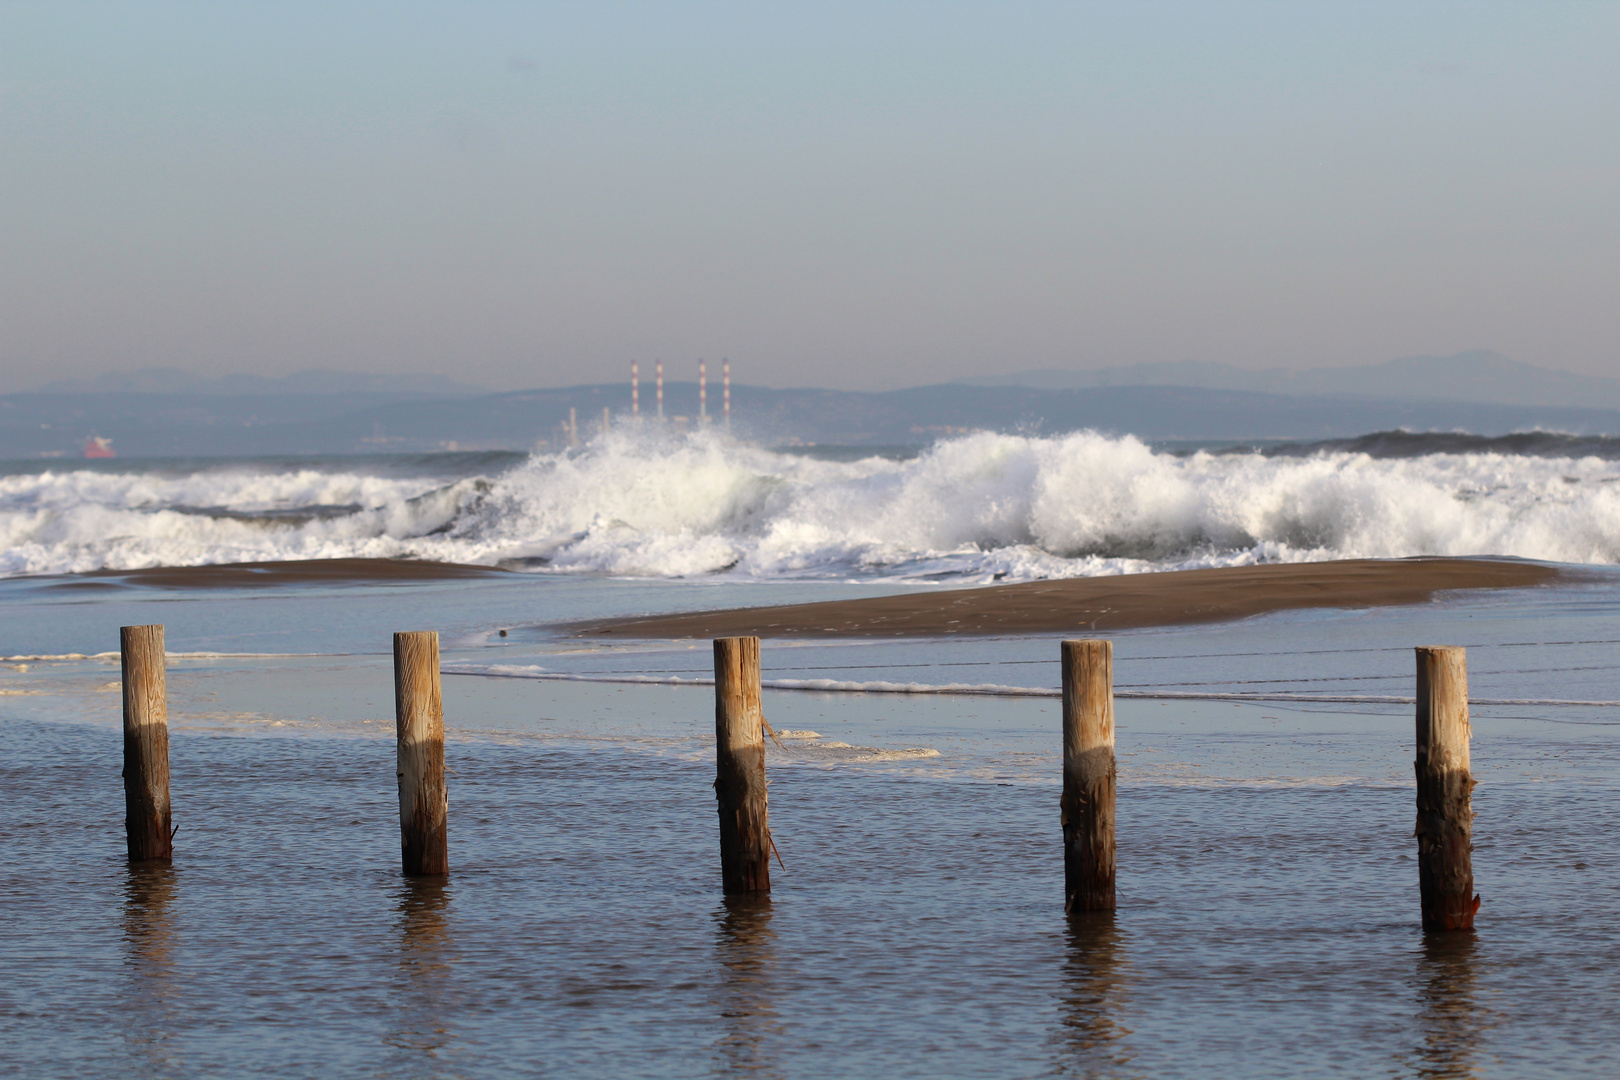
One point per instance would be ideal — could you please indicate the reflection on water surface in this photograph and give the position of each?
(1450, 1016)
(425, 995)
(745, 952)
(1093, 989)
(151, 981)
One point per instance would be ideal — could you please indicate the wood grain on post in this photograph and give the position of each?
(739, 785)
(147, 827)
(1088, 775)
(419, 713)
(1445, 815)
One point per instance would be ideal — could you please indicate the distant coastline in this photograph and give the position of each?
(164, 415)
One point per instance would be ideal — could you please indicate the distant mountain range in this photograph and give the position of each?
(1479, 376)
(1480, 393)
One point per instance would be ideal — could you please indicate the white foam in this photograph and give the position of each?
(174, 656)
(833, 752)
(846, 686)
(981, 507)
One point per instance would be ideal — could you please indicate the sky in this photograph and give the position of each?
(861, 196)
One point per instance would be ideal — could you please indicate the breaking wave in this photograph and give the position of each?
(980, 507)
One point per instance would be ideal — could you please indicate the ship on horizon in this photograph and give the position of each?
(99, 446)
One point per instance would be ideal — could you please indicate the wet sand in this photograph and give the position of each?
(266, 574)
(1104, 603)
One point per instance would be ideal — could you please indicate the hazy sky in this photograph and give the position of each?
(864, 196)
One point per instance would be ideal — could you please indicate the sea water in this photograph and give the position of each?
(1268, 920)
(638, 502)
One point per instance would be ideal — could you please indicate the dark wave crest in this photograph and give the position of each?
(1411, 444)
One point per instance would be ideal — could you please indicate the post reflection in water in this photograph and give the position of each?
(1449, 1017)
(745, 947)
(149, 962)
(1094, 981)
(425, 997)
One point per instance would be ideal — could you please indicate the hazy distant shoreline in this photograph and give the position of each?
(330, 413)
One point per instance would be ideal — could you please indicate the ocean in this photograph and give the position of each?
(641, 503)
(1268, 920)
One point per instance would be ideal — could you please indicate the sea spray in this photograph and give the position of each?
(640, 501)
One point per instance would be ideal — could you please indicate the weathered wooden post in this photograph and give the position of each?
(419, 715)
(739, 785)
(147, 827)
(1088, 775)
(1445, 815)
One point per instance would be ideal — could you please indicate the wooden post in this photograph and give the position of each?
(1445, 816)
(739, 737)
(419, 712)
(147, 827)
(1088, 775)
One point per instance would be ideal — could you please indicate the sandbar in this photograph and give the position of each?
(1081, 605)
(291, 572)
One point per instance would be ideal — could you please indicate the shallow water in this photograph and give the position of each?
(1268, 902)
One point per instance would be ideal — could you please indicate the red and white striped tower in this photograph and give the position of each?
(703, 391)
(635, 389)
(660, 389)
(725, 376)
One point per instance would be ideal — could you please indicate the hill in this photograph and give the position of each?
(1478, 376)
(169, 425)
